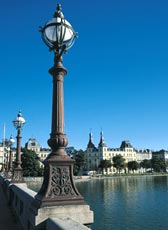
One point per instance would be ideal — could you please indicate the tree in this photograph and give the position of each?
(158, 164)
(132, 165)
(119, 163)
(30, 163)
(146, 164)
(105, 164)
(80, 161)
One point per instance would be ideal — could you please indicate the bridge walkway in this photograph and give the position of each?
(7, 219)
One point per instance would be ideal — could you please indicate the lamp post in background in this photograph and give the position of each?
(6, 153)
(58, 187)
(17, 172)
(11, 142)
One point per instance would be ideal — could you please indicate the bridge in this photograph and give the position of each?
(19, 211)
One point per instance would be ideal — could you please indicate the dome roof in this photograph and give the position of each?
(32, 142)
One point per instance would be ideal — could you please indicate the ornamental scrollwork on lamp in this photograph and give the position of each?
(60, 182)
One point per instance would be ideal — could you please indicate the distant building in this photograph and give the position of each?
(33, 145)
(162, 154)
(4, 153)
(143, 155)
(93, 154)
(102, 152)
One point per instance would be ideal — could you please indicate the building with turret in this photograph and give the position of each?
(95, 154)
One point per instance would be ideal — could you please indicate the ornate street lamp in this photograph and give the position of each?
(58, 187)
(18, 173)
(11, 142)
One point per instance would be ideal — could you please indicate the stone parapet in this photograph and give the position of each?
(60, 224)
(23, 204)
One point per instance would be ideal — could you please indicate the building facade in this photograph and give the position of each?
(33, 145)
(145, 154)
(162, 154)
(4, 154)
(94, 155)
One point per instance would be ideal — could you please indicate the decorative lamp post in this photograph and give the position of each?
(58, 187)
(6, 155)
(18, 173)
(11, 142)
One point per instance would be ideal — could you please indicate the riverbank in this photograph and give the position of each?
(98, 177)
(32, 181)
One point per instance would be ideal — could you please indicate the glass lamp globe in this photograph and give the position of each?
(58, 33)
(11, 140)
(19, 121)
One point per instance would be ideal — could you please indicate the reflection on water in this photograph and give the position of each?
(128, 203)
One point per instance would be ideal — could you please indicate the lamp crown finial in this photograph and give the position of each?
(59, 8)
(59, 13)
(19, 114)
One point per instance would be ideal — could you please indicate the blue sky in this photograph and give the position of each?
(117, 71)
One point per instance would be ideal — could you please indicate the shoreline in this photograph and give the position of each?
(97, 177)
(88, 178)
(33, 181)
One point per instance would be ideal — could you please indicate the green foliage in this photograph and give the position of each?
(30, 163)
(132, 165)
(119, 162)
(80, 161)
(105, 164)
(146, 164)
(158, 164)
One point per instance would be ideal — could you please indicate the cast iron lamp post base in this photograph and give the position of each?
(17, 176)
(58, 187)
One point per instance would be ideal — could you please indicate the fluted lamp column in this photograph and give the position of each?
(58, 187)
(11, 142)
(18, 172)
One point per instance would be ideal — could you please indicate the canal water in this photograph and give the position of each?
(127, 203)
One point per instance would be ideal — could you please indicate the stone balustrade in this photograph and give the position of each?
(22, 202)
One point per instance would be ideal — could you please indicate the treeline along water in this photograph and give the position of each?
(128, 203)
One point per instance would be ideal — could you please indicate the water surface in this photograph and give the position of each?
(128, 203)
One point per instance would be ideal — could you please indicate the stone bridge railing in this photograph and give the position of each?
(29, 217)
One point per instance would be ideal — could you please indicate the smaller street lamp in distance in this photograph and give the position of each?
(17, 172)
(11, 142)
